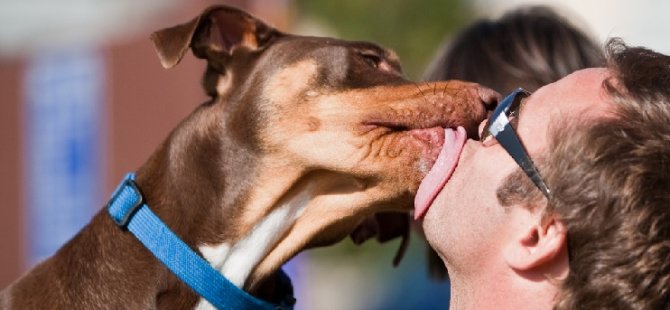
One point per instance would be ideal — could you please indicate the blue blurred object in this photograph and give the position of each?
(64, 96)
(414, 290)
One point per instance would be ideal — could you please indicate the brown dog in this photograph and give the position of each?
(303, 139)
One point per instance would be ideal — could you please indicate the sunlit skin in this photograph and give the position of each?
(497, 257)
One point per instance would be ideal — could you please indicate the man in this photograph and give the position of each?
(586, 222)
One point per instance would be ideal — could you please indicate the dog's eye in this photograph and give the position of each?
(373, 60)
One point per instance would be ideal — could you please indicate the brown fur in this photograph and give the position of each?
(288, 115)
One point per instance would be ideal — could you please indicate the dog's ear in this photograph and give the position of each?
(385, 226)
(218, 30)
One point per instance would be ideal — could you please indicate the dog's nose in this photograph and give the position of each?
(489, 97)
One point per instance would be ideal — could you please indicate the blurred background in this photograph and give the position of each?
(83, 100)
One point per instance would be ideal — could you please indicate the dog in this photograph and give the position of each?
(304, 141)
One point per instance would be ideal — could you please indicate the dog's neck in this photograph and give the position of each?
(237, 258)
(222, 208)
(234, 218)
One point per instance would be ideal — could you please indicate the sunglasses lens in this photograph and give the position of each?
(515, 106)
(509, 106)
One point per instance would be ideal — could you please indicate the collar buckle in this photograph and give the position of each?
(125, 201)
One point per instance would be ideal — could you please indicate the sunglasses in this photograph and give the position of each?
(498, 126)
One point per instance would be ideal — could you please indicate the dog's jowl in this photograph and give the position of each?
(304, 140)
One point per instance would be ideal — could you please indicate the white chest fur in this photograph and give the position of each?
(237, 261)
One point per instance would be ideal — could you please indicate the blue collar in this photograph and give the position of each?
(129, 211)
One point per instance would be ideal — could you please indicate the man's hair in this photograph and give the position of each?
(528, 47)
(610, 187)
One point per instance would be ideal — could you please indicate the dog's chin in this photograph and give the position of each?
(422, 147)
(384, 215)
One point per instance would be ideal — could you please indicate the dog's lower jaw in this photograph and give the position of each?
(327, 219)
(305, 209)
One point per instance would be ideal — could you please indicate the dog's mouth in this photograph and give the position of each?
(429, 135)
(440, 143)
(431, 131)
(441, 170)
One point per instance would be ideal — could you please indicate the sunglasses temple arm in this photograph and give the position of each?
(508, 139)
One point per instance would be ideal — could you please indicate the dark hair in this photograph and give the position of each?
(610, 186)
(528, 47)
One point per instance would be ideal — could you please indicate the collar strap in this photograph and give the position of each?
(129, 211)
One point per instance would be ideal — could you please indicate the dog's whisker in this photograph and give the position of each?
(418, 88)
(444, 90)
(422, 93)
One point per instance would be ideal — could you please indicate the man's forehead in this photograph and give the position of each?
(585, 82)
(580, 91)
(589, 93)
(578, 95)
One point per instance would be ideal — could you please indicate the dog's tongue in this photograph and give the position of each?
(441, 171)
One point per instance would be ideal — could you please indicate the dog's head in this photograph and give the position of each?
(330, 128)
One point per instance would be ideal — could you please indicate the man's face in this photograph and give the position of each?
(466, 224)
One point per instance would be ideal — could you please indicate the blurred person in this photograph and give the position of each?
(527, 47)
(564, 202)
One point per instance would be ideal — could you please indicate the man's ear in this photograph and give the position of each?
(539, 243)
(218, 30)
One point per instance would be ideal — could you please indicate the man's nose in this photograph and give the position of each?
(489, 140)
(482, 125)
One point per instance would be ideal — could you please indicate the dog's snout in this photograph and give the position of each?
(489, 98)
